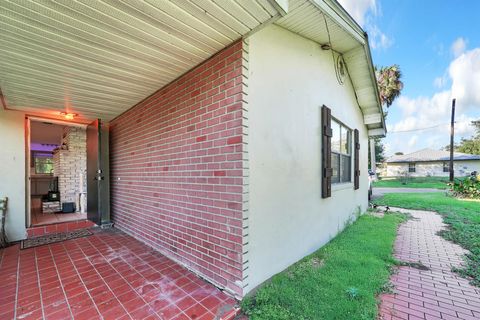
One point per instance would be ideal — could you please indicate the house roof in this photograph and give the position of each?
(99, 58)
(425, 155)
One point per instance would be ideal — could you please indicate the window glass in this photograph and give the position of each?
(336, 135)
(411, 167)
(346, 169)
(446, 167)
(341, 153)
(43, 163)
(345, 138)
(335, 167)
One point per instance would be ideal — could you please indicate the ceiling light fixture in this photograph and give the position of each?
(68, 115)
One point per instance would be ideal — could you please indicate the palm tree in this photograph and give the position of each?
(389, 83)
(389, 86)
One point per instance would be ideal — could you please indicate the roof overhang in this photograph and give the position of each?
(327, 22)
(98, 59)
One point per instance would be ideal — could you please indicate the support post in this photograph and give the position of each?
(452, 132)
(373, 160)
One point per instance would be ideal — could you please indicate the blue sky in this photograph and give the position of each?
(437, 45)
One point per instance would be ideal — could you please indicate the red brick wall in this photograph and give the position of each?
(176, 169)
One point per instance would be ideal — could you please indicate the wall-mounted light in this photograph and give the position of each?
(68, 115)
(326, 46)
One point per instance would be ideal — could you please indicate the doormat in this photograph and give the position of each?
(54, 237)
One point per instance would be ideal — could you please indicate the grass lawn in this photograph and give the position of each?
(413, 182)
(339, 281)
(463, 218)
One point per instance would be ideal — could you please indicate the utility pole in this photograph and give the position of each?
(452, 131)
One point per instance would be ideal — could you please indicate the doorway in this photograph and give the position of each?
(57, 170)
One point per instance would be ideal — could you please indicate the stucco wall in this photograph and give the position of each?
(423, 169)
(12, 171)
(290, 78)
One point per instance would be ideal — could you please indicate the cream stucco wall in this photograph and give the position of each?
(424, 169)
(290, 78)
(12, 171)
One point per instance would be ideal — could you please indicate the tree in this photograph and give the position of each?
(379, 150)
(472, 145)
(399, 153)
(389, 86)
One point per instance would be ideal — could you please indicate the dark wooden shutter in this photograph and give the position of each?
(356, 159)
(326, 152)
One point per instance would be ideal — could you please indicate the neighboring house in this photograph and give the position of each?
(428, 162)
(249, 148)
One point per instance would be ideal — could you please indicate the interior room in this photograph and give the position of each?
(57, 173)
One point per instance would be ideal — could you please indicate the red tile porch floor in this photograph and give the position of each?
(58, 227)
(108, 275)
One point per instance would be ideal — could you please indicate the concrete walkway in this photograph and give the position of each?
(436, 293)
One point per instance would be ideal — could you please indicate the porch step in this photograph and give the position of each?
(58, 227)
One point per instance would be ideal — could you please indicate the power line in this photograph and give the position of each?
(426, 128)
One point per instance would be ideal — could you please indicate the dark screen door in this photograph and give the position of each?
(97, 173)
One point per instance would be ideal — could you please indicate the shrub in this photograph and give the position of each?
(469, 187)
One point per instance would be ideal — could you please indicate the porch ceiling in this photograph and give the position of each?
(99, 58)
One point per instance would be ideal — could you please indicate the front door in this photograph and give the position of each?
(98, 199)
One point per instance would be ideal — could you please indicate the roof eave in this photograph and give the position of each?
(336, 12)
(374, 80)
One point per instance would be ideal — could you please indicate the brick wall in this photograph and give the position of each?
(177, 169)
(70, 163)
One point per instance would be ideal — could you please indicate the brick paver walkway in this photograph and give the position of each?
(437, 293)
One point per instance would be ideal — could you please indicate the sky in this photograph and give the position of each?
(437, 46)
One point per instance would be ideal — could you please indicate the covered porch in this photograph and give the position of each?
(89, 63)
(108, 275)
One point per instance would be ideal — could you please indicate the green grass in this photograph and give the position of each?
(413, 182)
(339, 281)
(462, 217)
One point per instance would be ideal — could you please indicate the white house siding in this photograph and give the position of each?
(433, 168)
(12, 171)
(290, 78)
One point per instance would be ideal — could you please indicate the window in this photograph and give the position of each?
(43, 162)
(446, 166)
(411, 167)
(341, 153)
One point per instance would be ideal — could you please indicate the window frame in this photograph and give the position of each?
(339, 180)
(47, 155)
(412, 167)
(446, 166)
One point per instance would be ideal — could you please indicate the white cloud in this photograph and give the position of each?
(440, 82)
(434, 111)
(378, 39)
(364, 12)
(413, 141)
(459, 46)
(358, 9)
(465, 74)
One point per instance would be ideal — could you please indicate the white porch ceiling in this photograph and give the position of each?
(99, 58)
